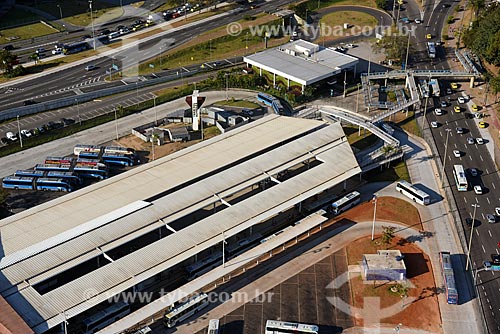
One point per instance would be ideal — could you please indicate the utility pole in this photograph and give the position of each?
(154, 107)
(374, 214)
(426, 101)
(116, 125)
(357, 100)
(471, 234)
(345, 81)
(407, 51)
(19, 132)
(92, 22)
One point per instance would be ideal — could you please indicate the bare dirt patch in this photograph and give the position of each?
(423, 311)
(389, 209)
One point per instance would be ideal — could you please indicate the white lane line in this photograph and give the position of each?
(477, 201)
(487, 171)
(481, 157)
(488, 200)
(477, 232)
(470, 157)
(496, 249)
(489, 232)
(482, 214)
(493, 185)
(455, 145)
(484, 250)
(465, 200)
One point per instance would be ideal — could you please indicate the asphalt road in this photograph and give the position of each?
(64, 80)
(486, 236)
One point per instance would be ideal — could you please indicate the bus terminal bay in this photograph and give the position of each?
(226, 203)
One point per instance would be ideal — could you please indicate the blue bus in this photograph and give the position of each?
(272, 102)
(68, 176)
(94, 172)
(18, 182)
(448, 277)
(117, 159)
(52, 184)
(75, 47)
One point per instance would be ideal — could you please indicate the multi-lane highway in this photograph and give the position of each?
(486, 235)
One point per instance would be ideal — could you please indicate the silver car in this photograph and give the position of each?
(491, 219)
(470, 141)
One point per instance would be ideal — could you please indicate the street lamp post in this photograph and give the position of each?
(374, 214)
(78, 112)
(227, 85)
(425, 109)
(60, 10)
(407, 51)
(345, 81)
(116, 125)
(357, 100)
(92, 22)
(19, 131)
(154, 107)
(444, 157)
(471, 234)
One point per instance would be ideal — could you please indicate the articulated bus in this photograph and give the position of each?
(34, 183)
(213, 326)
(448, 277)
(346, 202)
(284, 327)
(415, 194)
(460, 177)
(185, 310)
(105, 317)
(107, 149)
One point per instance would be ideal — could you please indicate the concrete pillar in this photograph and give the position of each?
(274, 79)
(303, 88)
(345, 185)
(355, 69)
(359, 130)
(260, 72)
(288, 83)
(471, 85)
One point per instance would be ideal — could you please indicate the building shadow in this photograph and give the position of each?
(435, 197)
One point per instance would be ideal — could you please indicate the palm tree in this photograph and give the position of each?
(35, 57)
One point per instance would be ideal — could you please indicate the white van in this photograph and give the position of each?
(144, 330)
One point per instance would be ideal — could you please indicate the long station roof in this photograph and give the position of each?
(51, 238)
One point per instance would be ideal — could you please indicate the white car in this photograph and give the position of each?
(57, 51)
(457, 153)
(418, 21)
(478, 190)
(438, 112)
(480, 141)
(25, 133)
(461, 99)
(434, 124)
(497, 211)
(11, 136)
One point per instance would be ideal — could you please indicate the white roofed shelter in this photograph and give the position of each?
(49, 241)
(301, 61)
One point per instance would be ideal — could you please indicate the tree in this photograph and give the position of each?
(35, 57)
(381, 4)
(7, 61)
(394, 44)
(387, 234)
(484, 36)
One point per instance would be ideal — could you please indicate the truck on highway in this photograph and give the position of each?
(434, 84)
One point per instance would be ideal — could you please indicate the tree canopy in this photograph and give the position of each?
(7, 61)
(484, 36)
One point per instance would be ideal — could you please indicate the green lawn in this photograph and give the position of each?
(25, 32)
(238, 103)
(353, 18)
(360, 142)
(396, 172)
(17, 16)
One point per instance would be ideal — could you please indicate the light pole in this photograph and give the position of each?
(345, 81)
(78, 111)
(471, 233)
(444, 157)
(60, 10)
(374, 214)
(92, 22)
(407, 51)
(154, 106)
(397, 328)
(227, 85)
(116, 125)
(19, 131)
(357, 100)
(425, 109)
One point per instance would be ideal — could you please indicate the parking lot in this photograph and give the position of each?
(302, 298)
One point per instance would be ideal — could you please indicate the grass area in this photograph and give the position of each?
(17, 16)
(100, 17)
(238, 103)
(410, 125)
(25, 32)
(357, 141)
(210, 132)
(198, 17)
(215, 44)
(397, 171)
(75, 11)
(333, 24)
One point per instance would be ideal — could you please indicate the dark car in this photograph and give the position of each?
(29, 102)
(67, 121)
(8, 47)
(104, 32)
(446, 5)
(4, 141)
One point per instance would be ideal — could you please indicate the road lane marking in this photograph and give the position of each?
(477, 202)
(489, 232)
(488, 200)
(470, 157)
(484, 250)
(487, 171)
(493, 185)
(481, 157)
(465, 200)
(455, 145)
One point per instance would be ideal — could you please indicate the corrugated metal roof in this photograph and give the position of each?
(328, 142)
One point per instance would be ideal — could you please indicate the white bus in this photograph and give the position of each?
(185, 310)
(435, 87)
(460, 178)
(283, 327)
(346, 202)
(415, 194)
(105, 317)
(213, 326)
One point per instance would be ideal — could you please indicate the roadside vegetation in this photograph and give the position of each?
(26, 32)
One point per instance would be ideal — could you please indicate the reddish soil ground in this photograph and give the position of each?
(423, 312)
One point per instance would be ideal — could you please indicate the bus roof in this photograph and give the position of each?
(193, 300)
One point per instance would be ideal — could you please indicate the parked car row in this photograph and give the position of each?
(12, 137)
